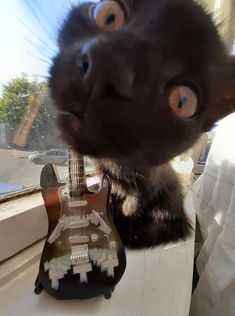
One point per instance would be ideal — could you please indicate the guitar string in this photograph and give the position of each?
(81, 175)
(79, 185)
(79, 191)
(77, 208)
(83, 189)
(72, 191)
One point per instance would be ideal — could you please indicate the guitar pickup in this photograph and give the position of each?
(77, 203)
(79, 224)
(79, 254)
(78, 239)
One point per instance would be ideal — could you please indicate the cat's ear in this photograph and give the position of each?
(222, 101)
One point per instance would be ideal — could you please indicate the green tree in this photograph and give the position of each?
(15, 104)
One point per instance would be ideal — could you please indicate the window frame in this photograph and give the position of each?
(18, 194)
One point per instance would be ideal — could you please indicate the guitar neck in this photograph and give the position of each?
(77, 179)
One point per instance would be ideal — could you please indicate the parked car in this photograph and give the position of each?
(55, 156)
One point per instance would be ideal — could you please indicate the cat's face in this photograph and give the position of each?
(137, 78)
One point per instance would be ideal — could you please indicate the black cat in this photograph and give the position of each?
(137, 82)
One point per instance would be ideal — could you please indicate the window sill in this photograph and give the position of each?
(23, 221)
(13, 267)
(161, 280)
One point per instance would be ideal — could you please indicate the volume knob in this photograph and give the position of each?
(94, 237)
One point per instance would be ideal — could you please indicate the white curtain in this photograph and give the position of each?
(223, 14)
(213, 197)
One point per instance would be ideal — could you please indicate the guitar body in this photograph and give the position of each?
(83, 256)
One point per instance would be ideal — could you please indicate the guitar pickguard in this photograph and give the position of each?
(76, 222)
(82, 259)
(105, 259)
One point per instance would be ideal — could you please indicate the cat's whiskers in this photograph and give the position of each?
(53, 38)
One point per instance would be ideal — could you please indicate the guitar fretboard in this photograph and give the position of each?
(77, 181)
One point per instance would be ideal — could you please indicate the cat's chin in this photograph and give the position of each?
(70, 120)
(91, 142)
(70, 126)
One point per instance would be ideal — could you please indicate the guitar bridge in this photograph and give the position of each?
(79, 254)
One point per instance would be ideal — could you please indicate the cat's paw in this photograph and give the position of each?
(130, 205)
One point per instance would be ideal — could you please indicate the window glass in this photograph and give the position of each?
(28, 32)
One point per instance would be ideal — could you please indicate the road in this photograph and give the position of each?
(16, 168)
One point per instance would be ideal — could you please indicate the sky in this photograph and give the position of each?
(28, 32)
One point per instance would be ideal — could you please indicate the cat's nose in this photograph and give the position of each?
(106, 70)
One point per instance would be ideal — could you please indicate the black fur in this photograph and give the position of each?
(119, 112)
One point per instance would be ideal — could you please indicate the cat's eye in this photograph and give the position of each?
(183, 101)
(108, 15)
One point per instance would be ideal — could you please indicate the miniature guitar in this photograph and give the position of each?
(83, 256)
